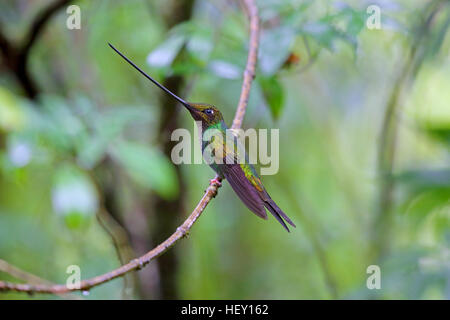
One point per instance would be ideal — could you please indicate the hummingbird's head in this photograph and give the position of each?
(206, 113)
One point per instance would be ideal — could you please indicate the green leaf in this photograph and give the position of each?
(107, 126)
(354, 19)
(273, 94)
(425, 179)
(11, 115)
(423, 204)
(356, 22)
(166, 52)
(54, 126)
(200, 43)
(75, 219)
(426, 190)
(91, 151)
(442, 134)
(275, 48)
(323, 32)
(225, 69)
(148, 167)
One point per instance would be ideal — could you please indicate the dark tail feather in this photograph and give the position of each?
(278, 213)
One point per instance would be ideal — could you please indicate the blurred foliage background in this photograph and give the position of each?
(364, 118)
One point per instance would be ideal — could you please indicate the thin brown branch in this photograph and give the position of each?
(135, 264)
(17, 273)
(250, 69)
(209, 194)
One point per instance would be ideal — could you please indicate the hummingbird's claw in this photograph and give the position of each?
(216, 182)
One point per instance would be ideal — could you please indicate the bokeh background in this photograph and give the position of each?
(364, 118)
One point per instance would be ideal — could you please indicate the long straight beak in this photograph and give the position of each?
(186, 104)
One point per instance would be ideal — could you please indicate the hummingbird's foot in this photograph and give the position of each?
(216, 182)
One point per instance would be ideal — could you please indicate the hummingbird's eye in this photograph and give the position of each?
(209, 111)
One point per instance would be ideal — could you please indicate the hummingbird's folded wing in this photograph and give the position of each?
(244, 189)
(247, 185)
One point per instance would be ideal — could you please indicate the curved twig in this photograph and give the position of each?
(17, 273)
(39, 24)
(15, 56)
(135, 264)
(209, 194)
(250, 68)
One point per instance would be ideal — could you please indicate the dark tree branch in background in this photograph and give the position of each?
(39, 24)
(5, 45)
(209, 194)
(15, 57)
(168, 210)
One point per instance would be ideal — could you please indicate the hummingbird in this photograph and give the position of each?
(241, 175)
